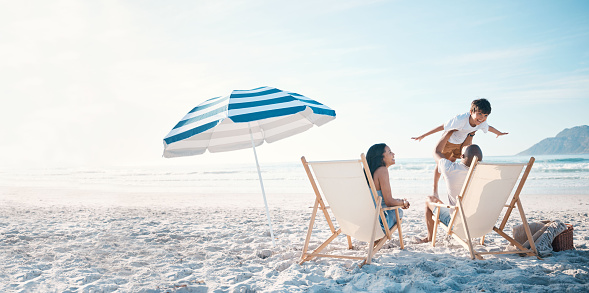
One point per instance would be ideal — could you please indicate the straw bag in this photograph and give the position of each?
(564, 240)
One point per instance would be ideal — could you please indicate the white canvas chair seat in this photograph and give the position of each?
(484, 195)
(343, 185)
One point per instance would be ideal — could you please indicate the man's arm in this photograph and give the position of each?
(440, 146)
(437, 129)
(438, 156)
(468, 140)
(495, 131)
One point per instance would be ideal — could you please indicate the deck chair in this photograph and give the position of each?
(344, 187)
(485, 193)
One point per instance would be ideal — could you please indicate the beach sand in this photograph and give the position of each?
(76, 240)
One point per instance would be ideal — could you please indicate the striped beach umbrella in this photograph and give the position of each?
(244, 119)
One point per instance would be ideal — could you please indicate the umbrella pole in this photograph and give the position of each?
(262, 185)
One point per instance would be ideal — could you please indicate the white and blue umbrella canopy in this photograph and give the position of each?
(244, 119)
(224, 123)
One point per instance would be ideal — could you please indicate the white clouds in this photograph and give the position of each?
(42, 21)
(552, 90)
(503, 55)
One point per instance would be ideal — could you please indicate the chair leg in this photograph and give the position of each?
(307, 257)
(309, 231)
(401, 238)
(349, 242)
(373, 248)
(374, 227)
(399, 220)
(435, 230)
(483, 240)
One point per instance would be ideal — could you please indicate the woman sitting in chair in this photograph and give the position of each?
(380, 158)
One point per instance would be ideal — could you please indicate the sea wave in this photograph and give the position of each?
(550, 174)
(563, 170)
(563, 160)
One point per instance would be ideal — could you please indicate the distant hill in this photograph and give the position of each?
(569, 141)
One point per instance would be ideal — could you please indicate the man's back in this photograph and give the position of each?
(454, 174)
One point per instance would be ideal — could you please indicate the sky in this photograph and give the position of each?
(101, 83)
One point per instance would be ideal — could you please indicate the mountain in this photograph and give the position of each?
(569, 141)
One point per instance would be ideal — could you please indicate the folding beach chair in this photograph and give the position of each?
(484, 195)
(344, 186)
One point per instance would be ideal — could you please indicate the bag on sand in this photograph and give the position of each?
(543, 233)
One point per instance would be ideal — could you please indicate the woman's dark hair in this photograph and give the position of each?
(375, 157)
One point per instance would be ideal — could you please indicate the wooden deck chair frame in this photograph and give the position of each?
(378, 211)
(458, 214)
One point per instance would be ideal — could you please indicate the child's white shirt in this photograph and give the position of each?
(462, 126)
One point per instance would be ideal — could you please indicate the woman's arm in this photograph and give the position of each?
(381, 175)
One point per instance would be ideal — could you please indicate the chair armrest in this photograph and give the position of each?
(392, 208)
(326, 207)
(442, 205)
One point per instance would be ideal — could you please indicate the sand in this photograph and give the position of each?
(76, 240)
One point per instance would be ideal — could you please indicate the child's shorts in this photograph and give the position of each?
(452, 150)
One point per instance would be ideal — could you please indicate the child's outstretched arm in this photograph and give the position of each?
(495, 131)
(437, 129)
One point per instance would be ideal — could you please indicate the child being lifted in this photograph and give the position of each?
(463, 127)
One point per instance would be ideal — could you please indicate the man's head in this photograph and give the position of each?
(469, 152)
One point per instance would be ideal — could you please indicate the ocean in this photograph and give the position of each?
(563, 174)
